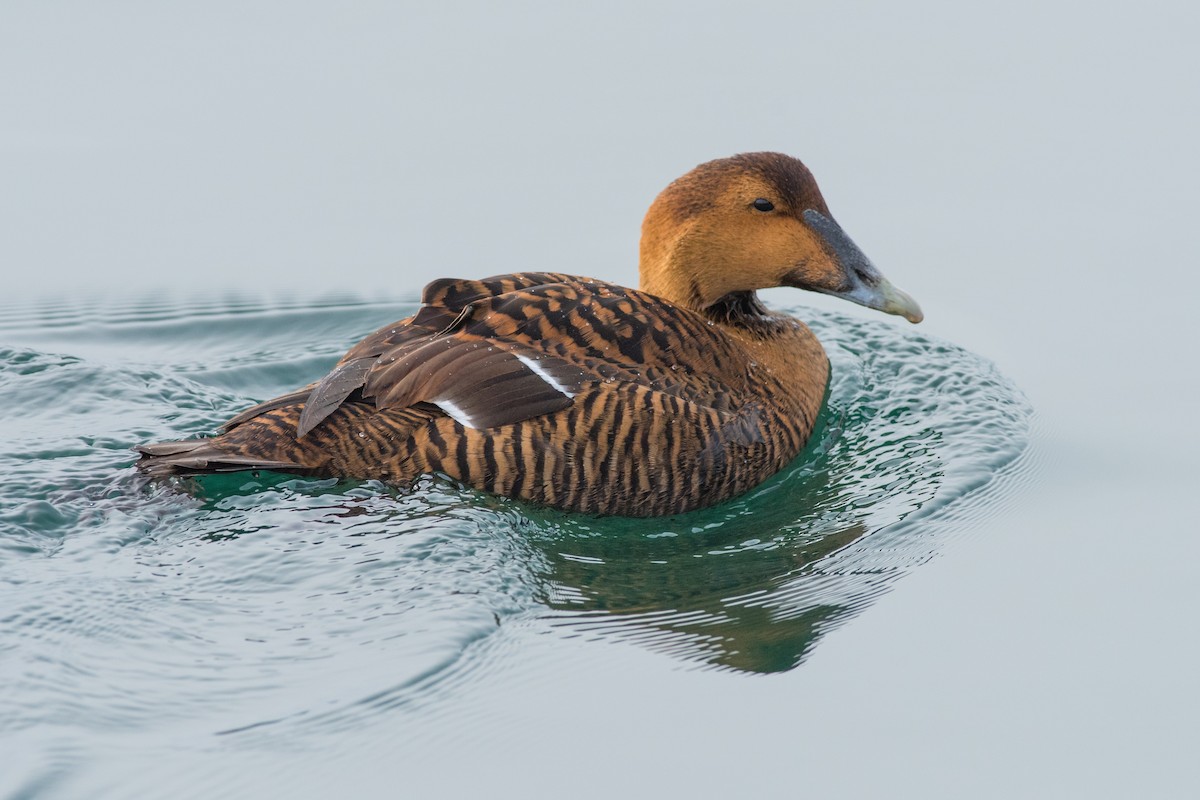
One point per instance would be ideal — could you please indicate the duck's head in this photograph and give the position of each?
(755, 221)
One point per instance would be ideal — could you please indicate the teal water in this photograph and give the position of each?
(268, 612)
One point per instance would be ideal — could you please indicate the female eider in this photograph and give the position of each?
(581, 394)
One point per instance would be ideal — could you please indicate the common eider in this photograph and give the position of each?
(581, 394)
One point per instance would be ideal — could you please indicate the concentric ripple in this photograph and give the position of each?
(263, 605)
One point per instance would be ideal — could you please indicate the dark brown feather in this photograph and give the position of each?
(582, 394)
(568, 391)
(202, 455)
(333, 389)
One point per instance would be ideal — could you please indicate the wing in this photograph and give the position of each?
(513, 347)
(445, 355)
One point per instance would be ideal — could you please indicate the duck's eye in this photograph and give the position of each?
(763, 204)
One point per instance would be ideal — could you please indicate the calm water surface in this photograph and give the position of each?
(262, 613)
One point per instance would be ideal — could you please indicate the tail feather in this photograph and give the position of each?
(192, 456)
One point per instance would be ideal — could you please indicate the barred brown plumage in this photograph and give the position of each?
(583, 394)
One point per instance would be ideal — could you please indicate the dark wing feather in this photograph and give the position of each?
(480, 382)
(332, 390)
(448, 355)
(509, 348)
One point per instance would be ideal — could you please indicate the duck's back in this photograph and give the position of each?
(571, 392)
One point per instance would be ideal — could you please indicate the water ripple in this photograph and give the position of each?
(271, 608)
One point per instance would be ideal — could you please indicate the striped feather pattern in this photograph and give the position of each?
(562, 390)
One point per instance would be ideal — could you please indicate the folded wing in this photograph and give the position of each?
(450, 355)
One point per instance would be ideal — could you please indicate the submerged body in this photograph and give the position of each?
(581, 394)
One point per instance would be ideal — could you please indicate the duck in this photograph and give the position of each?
(580, 394)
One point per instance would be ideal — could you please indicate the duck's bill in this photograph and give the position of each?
(886, 298)
(863, 283)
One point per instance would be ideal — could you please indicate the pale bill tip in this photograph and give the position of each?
(901, 303)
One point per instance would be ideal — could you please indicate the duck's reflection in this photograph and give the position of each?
(714, 599)
(750, 585)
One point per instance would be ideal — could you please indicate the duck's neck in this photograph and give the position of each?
(678, 270)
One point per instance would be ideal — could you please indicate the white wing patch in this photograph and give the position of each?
(538, 370)
(456, 413)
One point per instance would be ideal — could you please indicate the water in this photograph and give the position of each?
(1024, 169)
(264, 612)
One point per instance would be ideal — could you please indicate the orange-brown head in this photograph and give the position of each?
(755, 221)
